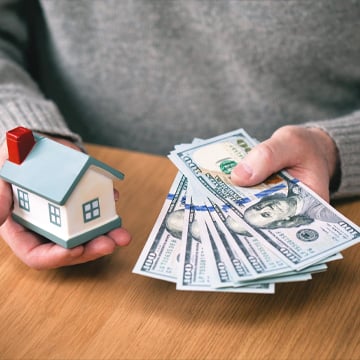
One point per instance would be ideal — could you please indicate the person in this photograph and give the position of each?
(146, 75)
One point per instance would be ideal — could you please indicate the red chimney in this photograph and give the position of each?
(19, 142)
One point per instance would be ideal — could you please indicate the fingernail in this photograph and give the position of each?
(243, 168)
(241, 171)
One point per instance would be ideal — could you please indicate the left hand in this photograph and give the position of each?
(39, 253)
(308, 154)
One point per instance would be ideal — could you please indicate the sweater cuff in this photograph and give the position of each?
(345, 131)
(36, 114)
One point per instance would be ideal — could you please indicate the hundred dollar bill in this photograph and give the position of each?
(226, 256)
(195, 268)
(295, 276)
(221, 270)
(194, 272)
(209, 162)
(222, 274)
(261, 260)
(160, 255)
(300, 226)
(229, 264)
(307, 229)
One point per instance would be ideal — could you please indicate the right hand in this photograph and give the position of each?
(308, 154)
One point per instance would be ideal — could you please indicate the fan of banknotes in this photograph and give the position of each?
(214, 236)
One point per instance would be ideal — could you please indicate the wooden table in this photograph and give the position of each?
(101, 310)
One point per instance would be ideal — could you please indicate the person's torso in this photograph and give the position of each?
(147, 75)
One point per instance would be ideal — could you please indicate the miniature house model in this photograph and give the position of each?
(60, 193)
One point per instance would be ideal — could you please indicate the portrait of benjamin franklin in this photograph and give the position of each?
(295, 209)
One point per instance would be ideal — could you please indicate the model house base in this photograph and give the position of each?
(74, 241)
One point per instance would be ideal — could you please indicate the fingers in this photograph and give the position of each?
(265, 159)
(35, 251)
(116, 195)
(5, 189)
(50, 256)
(5, 200)
(306, 153)
(120, 236)
(38, 254)
(259, 163)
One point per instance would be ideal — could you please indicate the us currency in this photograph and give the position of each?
(160, 255)
(307, 229)
(265, 262)
(222, 276)
(262, 263)
(195, 271)
(303, 230)
(227, 266)
(222, 272)
(226, 256)
(209, 163)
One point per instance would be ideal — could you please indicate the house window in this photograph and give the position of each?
(54, 214)
(91, 210)
(23, 200)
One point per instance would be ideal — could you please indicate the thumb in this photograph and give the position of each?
(262, 161)
(6, 201)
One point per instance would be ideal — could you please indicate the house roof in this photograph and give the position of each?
(52, 170)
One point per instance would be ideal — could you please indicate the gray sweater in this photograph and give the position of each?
(149, 74)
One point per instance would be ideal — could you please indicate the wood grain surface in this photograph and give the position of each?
(101, 310)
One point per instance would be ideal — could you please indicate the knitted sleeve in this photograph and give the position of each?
(345, 131)
(21, 101)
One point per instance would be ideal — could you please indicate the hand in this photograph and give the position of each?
(308, 154)
(40, 254)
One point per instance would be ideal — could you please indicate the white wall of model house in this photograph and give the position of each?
(93, 185)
